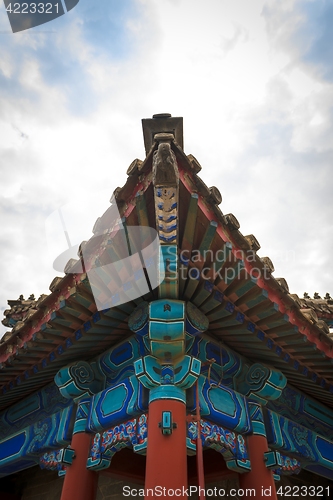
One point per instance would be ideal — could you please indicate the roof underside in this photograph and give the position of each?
(254, 313)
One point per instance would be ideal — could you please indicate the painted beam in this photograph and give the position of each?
(315, 452)
(222, 406)
(125, 400)
(23, 448)
(31, 409)
(187, 242)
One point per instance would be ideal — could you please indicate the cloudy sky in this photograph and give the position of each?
(253, 80)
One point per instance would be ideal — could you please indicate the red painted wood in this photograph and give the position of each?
(260, 478)
(200, 466)
(166, 465)
(80, 483)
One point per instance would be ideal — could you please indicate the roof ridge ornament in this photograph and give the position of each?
(162, 123)
(166, 196)
(166, 182)
(165, 169)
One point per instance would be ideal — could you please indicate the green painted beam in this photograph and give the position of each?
(224, 310)
(141, 210)
(273, 321)
(207, 239)
(214, 301)
(240, 287)
(191, 219)
(251, 299)
(204, 290)
(262, 311)
(194, 277)
(187, 242)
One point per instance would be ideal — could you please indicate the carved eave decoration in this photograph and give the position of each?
(256, 316)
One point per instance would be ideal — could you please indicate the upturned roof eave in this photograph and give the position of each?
(139, 179)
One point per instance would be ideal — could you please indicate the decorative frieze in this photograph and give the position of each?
(230, 444)
(132, 433)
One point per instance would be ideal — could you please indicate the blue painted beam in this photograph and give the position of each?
(23, 448)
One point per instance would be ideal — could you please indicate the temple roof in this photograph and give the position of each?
(319, 310)
(251, 311)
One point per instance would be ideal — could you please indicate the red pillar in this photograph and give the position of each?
(166, 465)
(80, 483)
(200, 467)
(260, 478)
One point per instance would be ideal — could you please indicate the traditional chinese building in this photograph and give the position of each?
(168, 356)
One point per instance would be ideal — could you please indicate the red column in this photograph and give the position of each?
(200, 468)
(166, 465)
(260, 478)
(80, 483)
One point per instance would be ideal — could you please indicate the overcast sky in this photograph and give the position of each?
(253, 80)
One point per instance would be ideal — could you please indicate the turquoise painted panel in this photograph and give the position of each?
(222, 400)
(187, 371)
(114, 399)
(168, 351)
(167, 310)
(125, 400)
(138, 400)
(221, 405)
(167, 392)
(169, 258)
(148, 371)
(166, 331)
